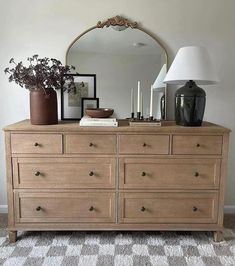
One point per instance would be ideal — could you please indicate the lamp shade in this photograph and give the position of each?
(158, 84)
(192, 63)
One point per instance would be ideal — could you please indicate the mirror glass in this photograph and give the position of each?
(120, 59)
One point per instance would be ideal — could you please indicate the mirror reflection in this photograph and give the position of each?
(120, 59)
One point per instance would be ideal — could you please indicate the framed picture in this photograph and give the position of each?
(71, 102)
(89, 103)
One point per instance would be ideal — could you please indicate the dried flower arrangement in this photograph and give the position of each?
(41, 73)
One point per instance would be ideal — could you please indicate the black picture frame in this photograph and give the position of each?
(69, 108)
(84, 100)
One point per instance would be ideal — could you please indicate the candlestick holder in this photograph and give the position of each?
(138, 115)
(132, 115)
(150, 121)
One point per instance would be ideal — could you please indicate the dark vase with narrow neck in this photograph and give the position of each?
(190, 101)
(43, 107)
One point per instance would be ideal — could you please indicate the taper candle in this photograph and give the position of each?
(132, 100)
(138, 98)
(151, 102)
(141, 103)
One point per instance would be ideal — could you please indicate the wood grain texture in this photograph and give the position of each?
(168, 207)
(90, 144)
(169, 173)
(178, 177)
(64, 173)
(36, 143)
(65, 207)
(167, 126)
(144, 144)
(197, 144)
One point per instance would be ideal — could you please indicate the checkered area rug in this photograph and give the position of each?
(117, 248)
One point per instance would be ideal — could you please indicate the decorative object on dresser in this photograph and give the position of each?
(120, 60)
(67, 177)
(87, 121)
(191, 64)
(159, 87)
(99, 112)
(41, 77)
(89, 104)
(140, 120)
(71, 100)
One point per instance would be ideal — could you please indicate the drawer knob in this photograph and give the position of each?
(144, 144)
(143, 209)
(36, 144)
(196, 174)
(194, 208)
(37, 173)
(198, 145)
(91, 173)
(143, 174)
(91, 209)
(38, 209)
(91, 144)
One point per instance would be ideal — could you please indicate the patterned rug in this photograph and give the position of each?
(117, 248)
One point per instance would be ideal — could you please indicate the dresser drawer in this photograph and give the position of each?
(36, 143)
(64, 172)
(171, 207)
(144, 144)
(65, 207)
(183, 144)
(90, 144)
(169, 173)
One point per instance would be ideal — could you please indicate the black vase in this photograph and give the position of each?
(190, 101)
(163, 106)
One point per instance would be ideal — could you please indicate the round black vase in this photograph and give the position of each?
(190, 101)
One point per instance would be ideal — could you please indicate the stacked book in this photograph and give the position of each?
(87, 121)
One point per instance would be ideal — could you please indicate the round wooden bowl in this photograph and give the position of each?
(99, 112)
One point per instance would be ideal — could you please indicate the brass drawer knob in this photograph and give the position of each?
(37, 173)
(194, 208)
(198, 145)
(144, 144)
(91, 173)
(91, 209)
(196, 174)
(143, 209)
(36, 144)
(143, 174)
(38, 209)
(91, 144)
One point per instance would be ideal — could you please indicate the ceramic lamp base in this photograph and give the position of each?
(190, 101)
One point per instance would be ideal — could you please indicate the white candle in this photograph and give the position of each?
(138, 97)
(151, 102)
(132, 100)
(141, 103)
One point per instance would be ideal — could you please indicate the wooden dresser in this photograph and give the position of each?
(67, 177)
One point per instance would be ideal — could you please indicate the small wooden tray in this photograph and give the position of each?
(145, 123)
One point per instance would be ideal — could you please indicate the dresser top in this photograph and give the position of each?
(68, 126)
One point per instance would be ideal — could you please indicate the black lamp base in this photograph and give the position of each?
(190, 101)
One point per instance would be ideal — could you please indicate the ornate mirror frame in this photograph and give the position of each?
(119, 21)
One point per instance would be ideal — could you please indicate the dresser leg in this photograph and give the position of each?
(12, 236)
(218, 236)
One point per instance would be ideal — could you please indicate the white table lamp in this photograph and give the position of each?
(191, 65)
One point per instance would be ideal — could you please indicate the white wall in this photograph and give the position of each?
(48, 27)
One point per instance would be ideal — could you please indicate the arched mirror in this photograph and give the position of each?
(120, 53)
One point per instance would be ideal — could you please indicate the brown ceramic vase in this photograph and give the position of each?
(43, 107)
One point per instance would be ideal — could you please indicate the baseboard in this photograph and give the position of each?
(228, 209)
(3, 208)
